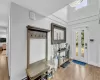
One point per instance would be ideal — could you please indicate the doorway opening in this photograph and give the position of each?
(4, 74)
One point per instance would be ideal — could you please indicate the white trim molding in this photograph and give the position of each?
(93, 63)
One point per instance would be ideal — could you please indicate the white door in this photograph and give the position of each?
(80, 44)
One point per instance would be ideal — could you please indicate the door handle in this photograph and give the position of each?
(85, 44)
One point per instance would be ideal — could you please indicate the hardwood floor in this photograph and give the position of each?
(77, 72)
(71, 72)
(3, 66)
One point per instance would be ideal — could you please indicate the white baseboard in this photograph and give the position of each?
(90, 62)
(93, 63)
(71, 57)
(98, 65)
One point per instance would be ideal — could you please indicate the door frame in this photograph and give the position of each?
(79, 26)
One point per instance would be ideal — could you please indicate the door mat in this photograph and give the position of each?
(79, 62)
(64, 65)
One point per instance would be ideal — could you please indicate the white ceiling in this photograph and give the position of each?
(4, 12)
(44, 7)
(61, 14)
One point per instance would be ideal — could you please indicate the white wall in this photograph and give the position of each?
(94, 30)
(87, 16)
(37, 50)
(2, 35)
(19, 21)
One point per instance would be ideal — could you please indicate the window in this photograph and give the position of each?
(81, 5)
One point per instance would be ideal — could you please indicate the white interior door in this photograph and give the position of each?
(80, 44)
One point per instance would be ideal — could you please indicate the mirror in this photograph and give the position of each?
(58, 34)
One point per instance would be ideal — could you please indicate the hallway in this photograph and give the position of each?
(3, 66)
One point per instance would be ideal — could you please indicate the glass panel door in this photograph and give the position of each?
(76, 43)
(82, 43)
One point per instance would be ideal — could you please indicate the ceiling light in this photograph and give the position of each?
(75, 3)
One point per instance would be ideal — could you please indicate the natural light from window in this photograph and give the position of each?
(81, 5)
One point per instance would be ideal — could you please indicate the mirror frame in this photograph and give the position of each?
(59, 27)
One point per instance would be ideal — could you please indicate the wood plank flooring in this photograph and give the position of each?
(3, 66)
(71, 72)
(77, 72)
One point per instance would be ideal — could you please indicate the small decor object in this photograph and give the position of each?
(64, 65)
(55, 50)
(58, 34)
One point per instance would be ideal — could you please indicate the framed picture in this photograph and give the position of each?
(58, 34)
